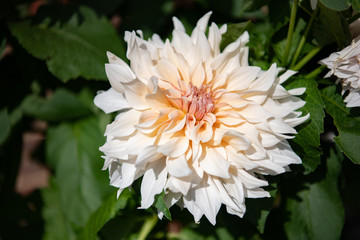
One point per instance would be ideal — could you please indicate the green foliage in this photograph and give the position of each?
(161, 206)
(103, 214)
(233, 32)
(337, 5)
(62, 105)
(347, 124)
(2, 46)
(317, 211)
(5, 126)
(279, 14)
(223, 234)
(259, 45)
(72, 151)
(331, 26)
(241, 7)
(307, 141)
(279, 46)
(57, 226)
(258, 211)
(74, 49)
(190, 234)
(355, 4)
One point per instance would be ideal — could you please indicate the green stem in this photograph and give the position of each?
(315, 72)
(307, 58)
(303, 38)
(290, 31)
(354, 18)
(148, 225)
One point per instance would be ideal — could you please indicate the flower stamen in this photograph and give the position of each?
(198, 101)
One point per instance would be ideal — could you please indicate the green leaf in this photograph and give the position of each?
(5, 125)
(233, 32)
(192, 234)
(63, 105)
(57, 227)
(74, 49)
(111, 229)
(72, 152)
(260, 39)
(307, 141)
(279, 46)
(257, 210)
(103, 214)
(258, 215)
(223, 234)
(317, 211)
(279, 14)
(240, 7)
(337, 5)
(331, 26)
(2, 47)
(161, 206)
(347, 124)
(355, 5)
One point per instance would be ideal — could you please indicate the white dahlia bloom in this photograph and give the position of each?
(345, 64)
(197, 123)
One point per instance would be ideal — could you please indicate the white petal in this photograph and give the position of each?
(255, 113)
(118, 75)
(297, 91)
(203, 22)
(198, 75)
(124, 124)
(110, 101)
(206, 197)
(193, 209)
(178, 167)
(153, 183)
(115, 175)
(170, 199)
(256, 193)
(266, 80)
(136, 143)
(157, 99)
(115, 149)
(239, 160)
(147, 155)
(286, 75)
(235, 205)
(135, 92)
(237, 140)
(178, 185)
(250, 181)
(175, 146)
(214, 38)
(178, 25)
(215, 163)
(167, 71)
(242, 77)
(113, 59)
(178, 120)
(269, 167)
(353, 99)
(129, 174)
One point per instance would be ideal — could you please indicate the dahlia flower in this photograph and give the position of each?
(197, 123)
(345, 64)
